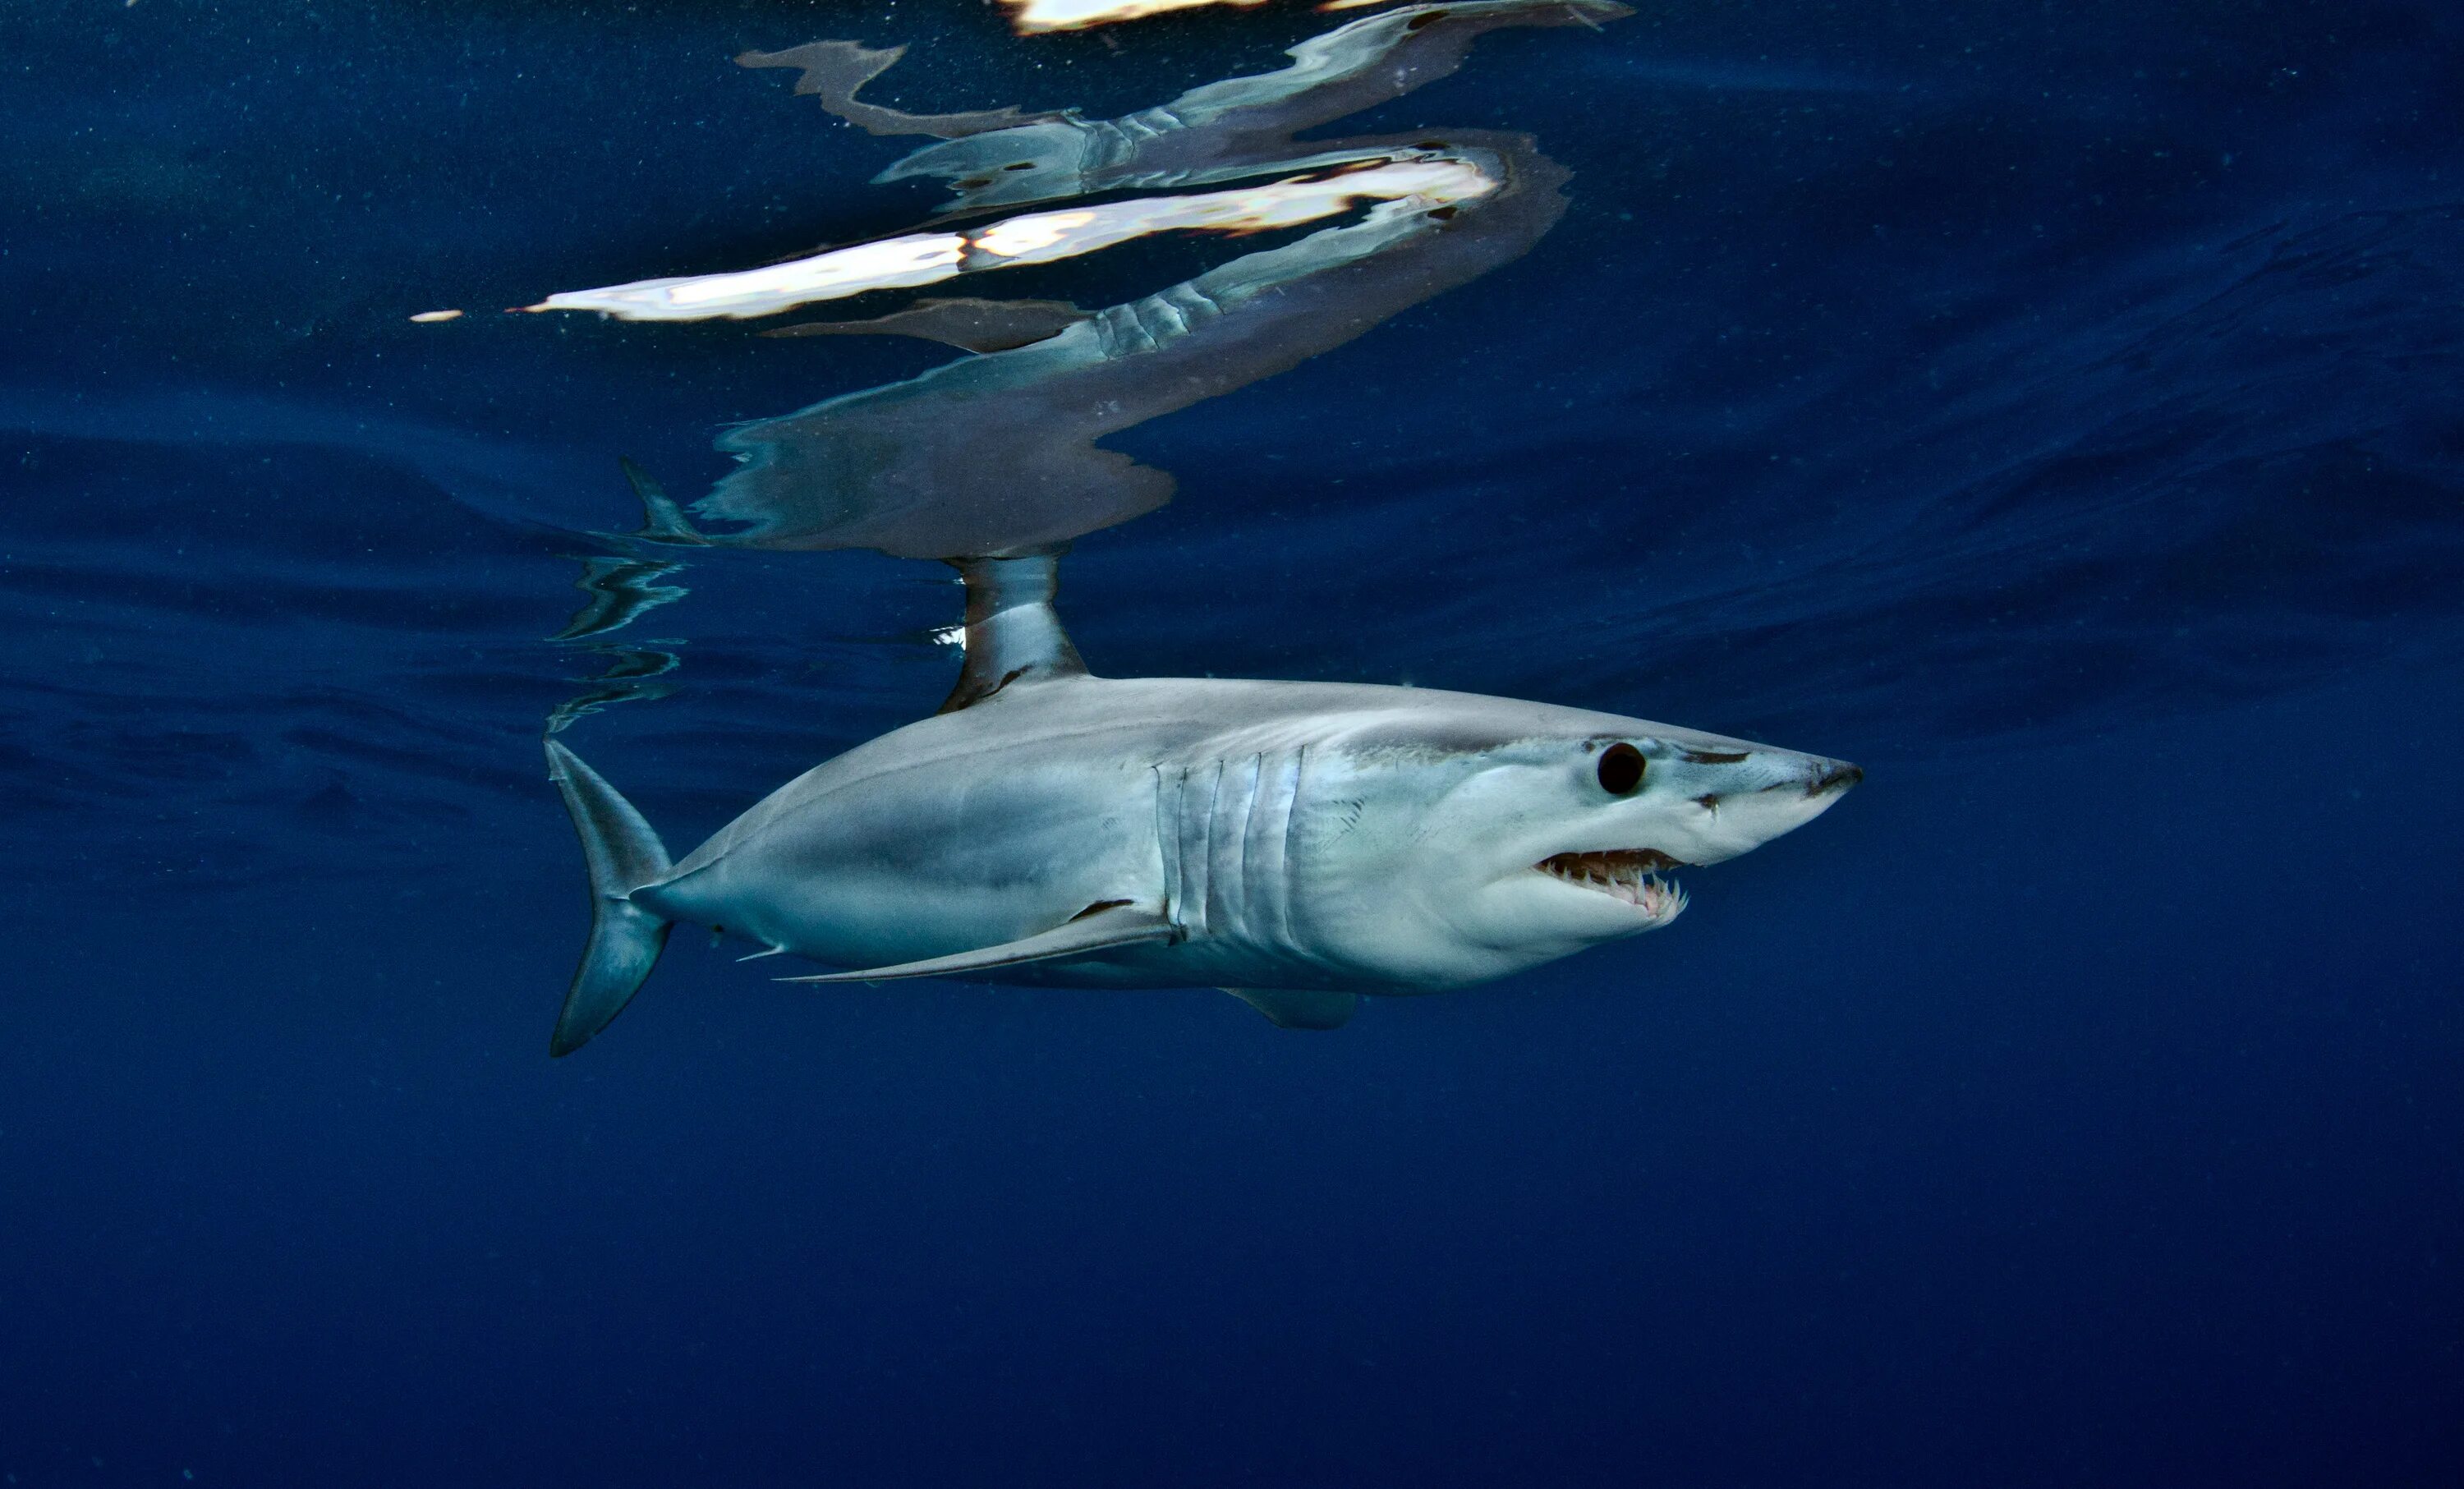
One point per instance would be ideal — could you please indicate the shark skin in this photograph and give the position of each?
(1295, 842)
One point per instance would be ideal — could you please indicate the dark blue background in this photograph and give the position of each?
(2054, 408)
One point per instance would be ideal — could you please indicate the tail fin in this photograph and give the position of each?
(623, 854)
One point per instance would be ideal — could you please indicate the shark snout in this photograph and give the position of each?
(1785, 775)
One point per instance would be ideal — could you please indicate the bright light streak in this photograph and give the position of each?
(1031, 16)
(1041, 237)
(1032, 238)
(890, 264)
(1017, 238)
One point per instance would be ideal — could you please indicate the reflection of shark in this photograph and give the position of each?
(1298, 843)
(1000, 453)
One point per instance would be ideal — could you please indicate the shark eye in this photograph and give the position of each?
(1621, 770)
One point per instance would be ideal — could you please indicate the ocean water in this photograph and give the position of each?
(2057, 410)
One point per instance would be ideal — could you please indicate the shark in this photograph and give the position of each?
(1298, 844)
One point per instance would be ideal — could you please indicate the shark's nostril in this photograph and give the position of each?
(1839, 775)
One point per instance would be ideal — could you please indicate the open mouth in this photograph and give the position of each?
(1628, 874)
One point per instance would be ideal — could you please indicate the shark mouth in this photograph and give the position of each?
(1628, 874)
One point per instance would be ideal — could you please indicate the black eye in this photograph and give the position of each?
(1621, 770)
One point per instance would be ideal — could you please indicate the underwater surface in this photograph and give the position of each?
(2057, 410)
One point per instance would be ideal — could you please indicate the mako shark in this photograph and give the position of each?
(1297, 844)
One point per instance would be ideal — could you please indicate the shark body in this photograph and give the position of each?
(1296, 843)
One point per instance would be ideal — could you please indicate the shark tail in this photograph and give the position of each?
(623, 854)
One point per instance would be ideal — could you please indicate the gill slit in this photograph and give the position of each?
(1193, 839)
(1227, 844)
(1223, 834)
(1168, 785)
(1275, 909)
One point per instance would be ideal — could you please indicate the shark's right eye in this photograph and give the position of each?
(1621, 770)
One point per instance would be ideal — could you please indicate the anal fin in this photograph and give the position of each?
(1095, 929)
(1301, 1008)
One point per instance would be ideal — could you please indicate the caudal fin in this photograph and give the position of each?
(623, 854)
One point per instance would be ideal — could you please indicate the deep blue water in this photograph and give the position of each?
(2055, 409)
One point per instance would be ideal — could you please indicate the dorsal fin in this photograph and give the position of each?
(1013, 633)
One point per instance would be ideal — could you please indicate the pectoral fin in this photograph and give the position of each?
(1095, 929)
(1294, 1008)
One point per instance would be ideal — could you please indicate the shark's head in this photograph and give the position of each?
(1453, 844)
